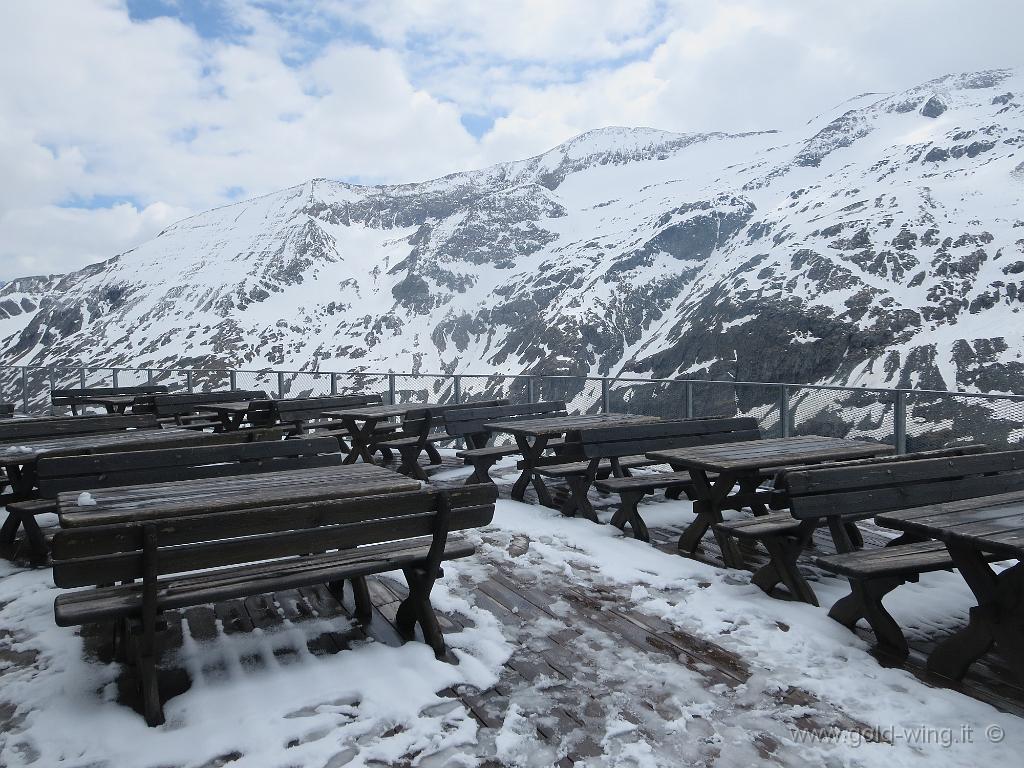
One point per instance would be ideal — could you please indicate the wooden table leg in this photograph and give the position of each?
(710, 497)
(531, 455)
(361, 438)
(579, 486)
(997, 620)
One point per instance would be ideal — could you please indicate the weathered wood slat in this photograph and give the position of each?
(471, 420)
(899, 496)
(923, 470)
(230, 494)
(185, 455)
(903, 559)
(284, 542)
(243, 582)
(27, 429)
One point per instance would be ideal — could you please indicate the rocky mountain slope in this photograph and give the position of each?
(882, 244)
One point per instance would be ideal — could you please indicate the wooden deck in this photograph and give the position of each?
(579, 693)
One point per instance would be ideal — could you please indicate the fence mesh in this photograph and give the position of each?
(933, 420)
(943, 420)
(475, 389)
(580, 395)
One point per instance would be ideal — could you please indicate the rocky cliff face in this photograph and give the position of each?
(882, 244)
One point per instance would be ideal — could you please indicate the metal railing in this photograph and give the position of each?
(910, 419)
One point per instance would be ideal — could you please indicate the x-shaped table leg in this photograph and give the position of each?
(708, 504)
(531, 456)
(361, 437)
(998, 619)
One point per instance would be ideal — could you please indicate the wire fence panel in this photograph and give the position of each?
(257, 381)
(939, 420)
(362, 384)
(867, 415)
(474, 389)
(581, 395)
(664, 399)
(425, 388)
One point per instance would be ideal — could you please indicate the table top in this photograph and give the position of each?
(378, 411)
(750, 455)
(218, 494)
(108, 399)
(234, 406)
(11, 453)
(560, 425)
(989, 523)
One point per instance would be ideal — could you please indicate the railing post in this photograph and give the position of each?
(689, 399)
(605, 400)
(24, 389)
(149, 376)
(81, 378)
(113, 376)
(457, 388)
(232, 379)
(899, 421)
(391, 388)
(188, 381)
(52, 412)
(334, 383)
(280, 385)
(531, 390)
(784, 416)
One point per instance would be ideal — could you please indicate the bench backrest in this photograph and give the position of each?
(185, 404)
(106, 554)
(638, 439)
(864, 489)
(28, 429)
(69, 396)
(308, 408)
(470, 420)
(105, 470)
(422, 422)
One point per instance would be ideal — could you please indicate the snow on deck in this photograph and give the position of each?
(576, 645)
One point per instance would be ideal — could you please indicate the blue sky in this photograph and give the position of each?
(118, 117)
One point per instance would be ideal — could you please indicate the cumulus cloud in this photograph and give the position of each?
(113, 121)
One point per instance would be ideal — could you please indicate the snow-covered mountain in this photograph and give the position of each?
(881, 244)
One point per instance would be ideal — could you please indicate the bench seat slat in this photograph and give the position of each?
(106, 603)
(901, 559)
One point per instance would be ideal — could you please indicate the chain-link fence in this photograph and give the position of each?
(910, 419)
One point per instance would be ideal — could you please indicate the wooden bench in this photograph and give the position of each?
(73, 397)
(614, 451)
(30, 429)
(468, 423)
(261, 451)
(186, 409)
(229, 555)
(417, 435)
(308, 413)
(841, 493)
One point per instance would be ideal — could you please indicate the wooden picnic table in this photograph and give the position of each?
(715, 470)
(233, 414)
(533, 436)
(976, 531)
(219, 494)
(19, 458)
(369, 416)
(112, 403)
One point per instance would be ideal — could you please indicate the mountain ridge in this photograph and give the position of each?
(877, 245)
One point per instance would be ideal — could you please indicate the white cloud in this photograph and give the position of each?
(96, 107)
